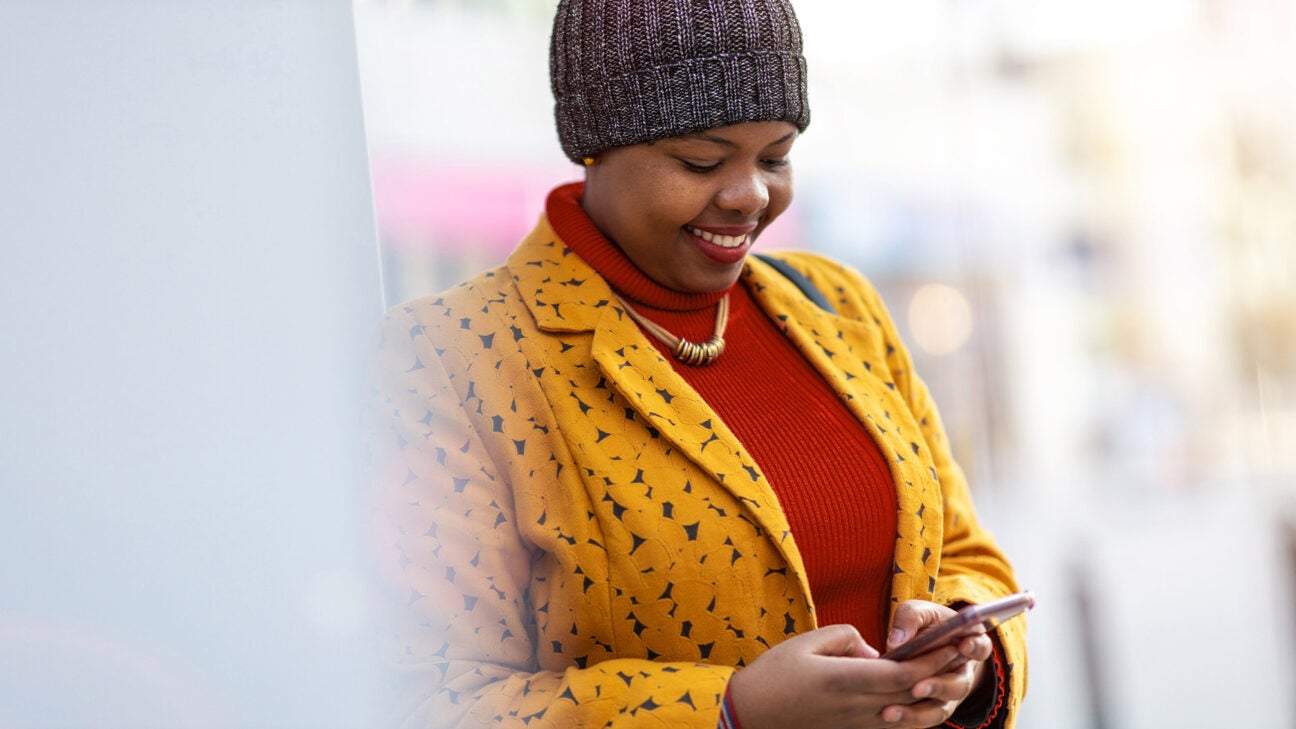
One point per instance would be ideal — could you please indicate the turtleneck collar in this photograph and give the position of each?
(569, 221)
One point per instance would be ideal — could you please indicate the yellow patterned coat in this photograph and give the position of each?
(579, 541)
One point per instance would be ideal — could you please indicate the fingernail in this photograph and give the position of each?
(926, 691)
(896, 637)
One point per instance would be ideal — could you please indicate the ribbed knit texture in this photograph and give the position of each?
(830, 477)
(630, 71)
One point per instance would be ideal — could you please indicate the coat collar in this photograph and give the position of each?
(562, 291)
(565, 294)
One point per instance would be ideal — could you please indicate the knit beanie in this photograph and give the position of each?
(631, 71)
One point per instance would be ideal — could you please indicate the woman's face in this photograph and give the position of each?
(686, 209)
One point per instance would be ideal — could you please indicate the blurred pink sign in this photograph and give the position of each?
(449, 204)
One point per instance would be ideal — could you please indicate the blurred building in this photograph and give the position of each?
(1082, 215)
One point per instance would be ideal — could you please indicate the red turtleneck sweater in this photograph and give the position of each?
(830, 477)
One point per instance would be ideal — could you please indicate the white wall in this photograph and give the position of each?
(187, 282)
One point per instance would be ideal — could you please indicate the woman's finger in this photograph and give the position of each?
(837, 640)
(911, 617)
(954, 686)
(881, 678)
(919, 714)
(976, 647)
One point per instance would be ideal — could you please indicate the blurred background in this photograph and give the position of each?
(1083, 218)
(1082, 215)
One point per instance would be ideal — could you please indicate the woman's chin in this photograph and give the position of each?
(713, 278)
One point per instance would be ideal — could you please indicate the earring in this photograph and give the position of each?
(591, 161)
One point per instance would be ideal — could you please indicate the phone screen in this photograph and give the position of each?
(970, 620)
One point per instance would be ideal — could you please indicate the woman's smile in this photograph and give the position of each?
(722, 245)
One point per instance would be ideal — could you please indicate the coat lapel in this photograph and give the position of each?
(840, 349)
(566, 295)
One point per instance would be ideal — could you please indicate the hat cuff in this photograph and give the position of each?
(691, 95)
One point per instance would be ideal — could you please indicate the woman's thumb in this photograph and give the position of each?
(909, 619)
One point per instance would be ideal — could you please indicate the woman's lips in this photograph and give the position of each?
(722, 245)
(724, 241)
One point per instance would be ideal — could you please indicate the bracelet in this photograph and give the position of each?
(728, 717)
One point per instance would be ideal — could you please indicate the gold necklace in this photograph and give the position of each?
(690, 353)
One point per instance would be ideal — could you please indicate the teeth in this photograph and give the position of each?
(724, 241)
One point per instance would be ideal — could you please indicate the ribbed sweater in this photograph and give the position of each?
(830, 477)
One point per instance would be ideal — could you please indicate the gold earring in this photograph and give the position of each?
(591, 161)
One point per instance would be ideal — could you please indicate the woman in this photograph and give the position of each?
(636, 477)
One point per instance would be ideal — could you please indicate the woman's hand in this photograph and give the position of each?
(831, 678)
(954, 682)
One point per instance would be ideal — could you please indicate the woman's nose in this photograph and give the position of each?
(746, 193)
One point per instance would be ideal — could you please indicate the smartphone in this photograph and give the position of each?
(971, 620)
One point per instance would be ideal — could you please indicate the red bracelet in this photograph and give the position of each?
(728, 717)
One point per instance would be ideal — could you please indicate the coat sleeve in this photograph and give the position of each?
(460, 632)
(972, 567)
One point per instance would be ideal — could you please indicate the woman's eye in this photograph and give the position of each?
(700, 166)
(780, 162)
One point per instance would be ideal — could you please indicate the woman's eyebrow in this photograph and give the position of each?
(782, 139)
(705, 137)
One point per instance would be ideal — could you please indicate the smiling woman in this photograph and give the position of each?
(637, 477)
(687, 209)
